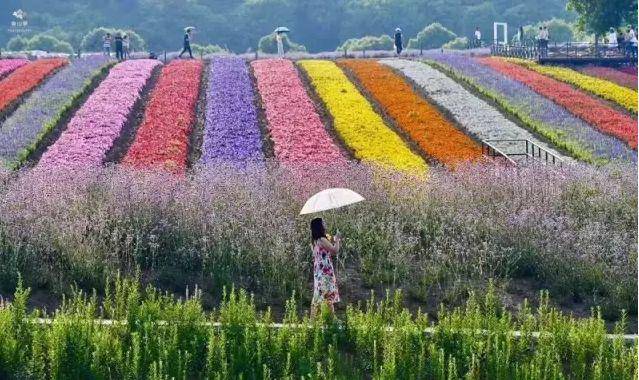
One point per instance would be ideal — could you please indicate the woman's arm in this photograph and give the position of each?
(332, 248)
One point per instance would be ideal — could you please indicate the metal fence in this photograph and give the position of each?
(531, 49)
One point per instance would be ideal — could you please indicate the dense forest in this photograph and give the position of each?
(320, 25)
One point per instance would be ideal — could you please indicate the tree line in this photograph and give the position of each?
(316, 25)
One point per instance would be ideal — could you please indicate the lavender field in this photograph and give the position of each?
(568, 230)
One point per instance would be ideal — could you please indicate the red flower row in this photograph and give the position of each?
(162, 139)
(592, 110)
(25, 78)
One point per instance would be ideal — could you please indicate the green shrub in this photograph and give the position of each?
(17, 43)
(268, 44)
(92, 41)
(206, 49)
(459, 43)
(383, 42)
(433, 36)
(153, 335)
(43, 42)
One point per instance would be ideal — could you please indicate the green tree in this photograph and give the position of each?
(49, 44)
(597, 16)
(17, 43)
(458, 43)
(383, 42)
(42, 41)
(433, 36)
(206, 49)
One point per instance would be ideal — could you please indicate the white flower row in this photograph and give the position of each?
(475, 115)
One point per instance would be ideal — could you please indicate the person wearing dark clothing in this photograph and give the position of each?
(187, 44)
(119, 47)
(398, 41)
(620, 41)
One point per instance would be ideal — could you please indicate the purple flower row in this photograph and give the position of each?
(231, 131)
(98, 123)
(41, 109)
(8, 65)
(538, 108)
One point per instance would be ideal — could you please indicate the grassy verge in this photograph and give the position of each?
(155, 336)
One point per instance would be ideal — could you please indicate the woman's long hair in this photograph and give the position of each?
(317, 229)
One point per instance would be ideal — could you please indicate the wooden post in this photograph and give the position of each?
(364, 53)
(345, 52)
(165, 56)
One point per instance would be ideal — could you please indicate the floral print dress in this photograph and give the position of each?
(324, 282)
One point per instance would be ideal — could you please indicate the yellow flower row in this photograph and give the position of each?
(361, 128)
(623, 96)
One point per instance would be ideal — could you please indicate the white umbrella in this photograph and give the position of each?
(330, 199)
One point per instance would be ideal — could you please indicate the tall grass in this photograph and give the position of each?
(155, 336)
(571, 230)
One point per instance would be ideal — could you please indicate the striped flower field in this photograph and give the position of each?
(295, 127)
(231, 131)
(393, 113)
(540, 114)
(435, 135)
(162, 138)
(40, 113)
(98, 123)
(361, 128)
(124, 183)
(591, 110)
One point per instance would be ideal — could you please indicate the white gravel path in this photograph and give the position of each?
(474, 114)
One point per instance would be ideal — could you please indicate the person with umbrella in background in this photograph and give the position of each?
(280, 34)
(187, 42)
(398, 41)
(325, 290)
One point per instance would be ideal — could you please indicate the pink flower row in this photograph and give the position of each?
(98, 123)
(298, 134)
(8, 65)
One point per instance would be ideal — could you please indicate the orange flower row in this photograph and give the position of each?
(434, 134)
(26, 78)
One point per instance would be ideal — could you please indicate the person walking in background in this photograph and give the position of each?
(612, 38)
(540, 36)
(119, 48)
(477, 37)
(325, 290)
(187, 43)
(398, 41)
(546, 39)
(620, 41)
(542, 41)
(106, 44)
(279, 39)
(631, 42)
(126, 46)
